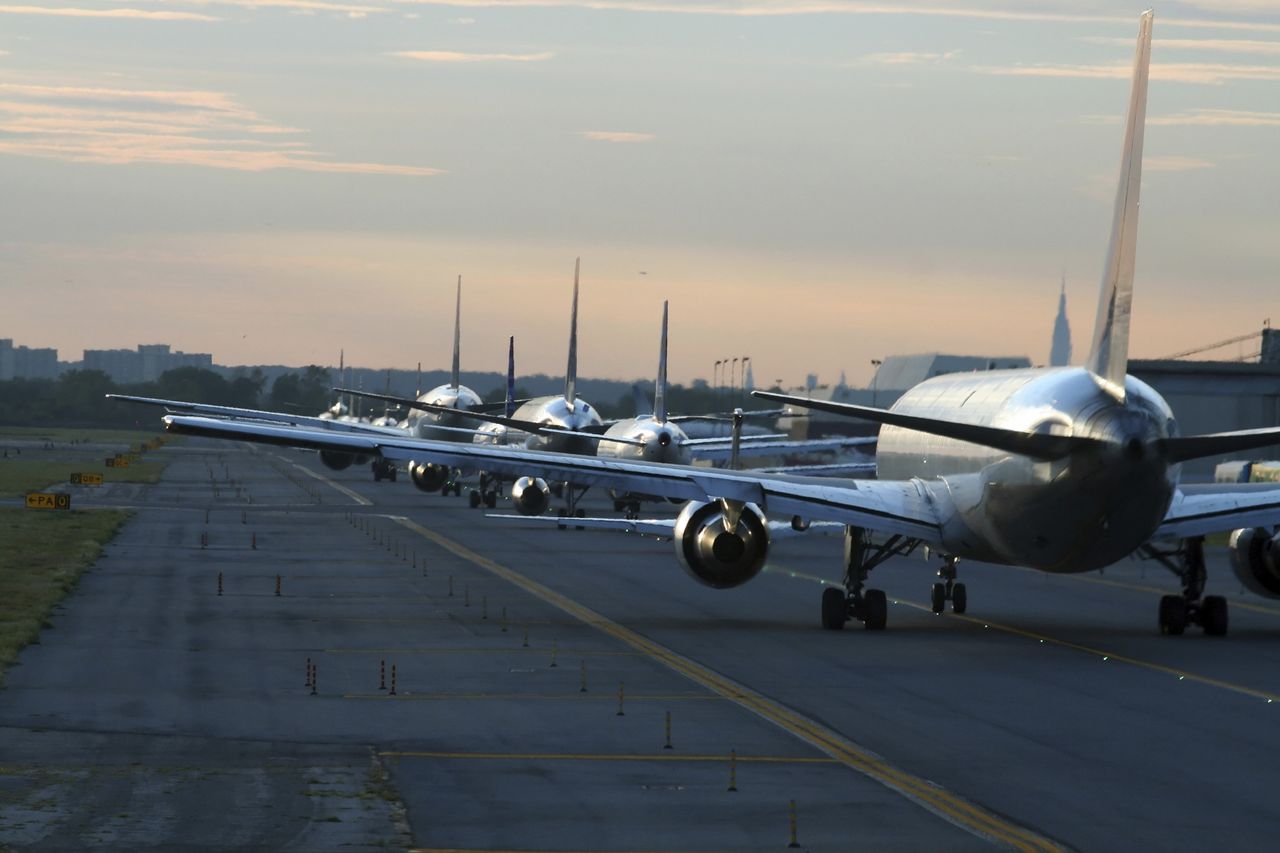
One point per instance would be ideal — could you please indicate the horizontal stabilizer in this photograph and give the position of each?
(1184, 448)
(1035, 445)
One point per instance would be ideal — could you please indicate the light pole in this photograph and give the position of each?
(875, 362)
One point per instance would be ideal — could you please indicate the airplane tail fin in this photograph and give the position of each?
(1109, 354)
(417, 392)
(571, 371)
(510, 408)
(660, 387)
(457, 339)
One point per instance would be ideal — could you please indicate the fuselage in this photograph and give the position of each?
(557, 411)
(1073, 514)
(427, 424)
(663, 441)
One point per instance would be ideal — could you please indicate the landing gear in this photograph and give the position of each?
(383, 469)
(868, 606)
(474, 498)
(949, 590)
(1190, 608)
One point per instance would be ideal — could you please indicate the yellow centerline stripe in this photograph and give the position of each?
(1182, 674)
(552, 756)
(1137, 587)
(355, 496)
(947, 805)
(508, 697)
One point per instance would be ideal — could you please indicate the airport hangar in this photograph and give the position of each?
(1206, 396)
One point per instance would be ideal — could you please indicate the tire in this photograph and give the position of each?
(1213, 615)
(491, 499)
(474, 499)
(876, 608)
(1173, 615)
(392, 475)
(834, 610)
(959, 598)
(938, 598)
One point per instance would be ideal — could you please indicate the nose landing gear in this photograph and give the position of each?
(949, 590)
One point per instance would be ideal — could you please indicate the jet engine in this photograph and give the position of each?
(336, 460)
(1255, 558)
(428, 477)
(531, 495)
(714, 556)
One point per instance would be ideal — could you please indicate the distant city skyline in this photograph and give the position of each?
(820, 184)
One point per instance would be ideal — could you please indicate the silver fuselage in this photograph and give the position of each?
(1074, 514)
(663, 442)
(426, 424)
(557, 412)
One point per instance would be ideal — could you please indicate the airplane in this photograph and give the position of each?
(653, 436)
(1063, 469)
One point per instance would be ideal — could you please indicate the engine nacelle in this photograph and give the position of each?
(1255, 558)
(336, 460)
(428, 477)
(531, 495)
(719, 558)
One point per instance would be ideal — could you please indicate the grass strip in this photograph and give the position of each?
(19, 476)
(43, 556)
(75, 435)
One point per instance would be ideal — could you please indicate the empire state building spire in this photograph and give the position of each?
(1060, 353)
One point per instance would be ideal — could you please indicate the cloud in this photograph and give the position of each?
(1218, 118)
(1218, 45)
(616, 136)
(1176, 72)
(92, 124)
(459, 57)
(1174, 163)
(908, 58)
(136, 14)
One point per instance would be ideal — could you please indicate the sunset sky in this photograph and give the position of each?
(814, 184)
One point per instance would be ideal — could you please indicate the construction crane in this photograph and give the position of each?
(1266, 324)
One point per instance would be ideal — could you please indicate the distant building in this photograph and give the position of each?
(1060, 352)
(146, 364)
(26, 363)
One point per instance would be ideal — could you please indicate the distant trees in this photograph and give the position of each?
(309, 393)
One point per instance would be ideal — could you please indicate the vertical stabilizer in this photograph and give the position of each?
(1109, 354)
(417, 392)
(571, 371)
(510, 408)
(1060, 348)
(342, 379)
(457, 338)
(660, 387)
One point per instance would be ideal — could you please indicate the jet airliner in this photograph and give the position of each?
(1058, 469)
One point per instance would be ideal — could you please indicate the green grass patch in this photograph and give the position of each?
(19, 476)
(70, 435)
(42, 560)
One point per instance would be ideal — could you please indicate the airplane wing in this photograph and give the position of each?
(833, 469)
(716, 449)
(909, 508)
(284, 418)
(1212, 508)
(660, 528)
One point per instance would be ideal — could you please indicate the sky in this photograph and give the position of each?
(814, 184)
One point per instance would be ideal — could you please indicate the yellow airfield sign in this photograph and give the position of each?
(48, 500)
(85, 479)
(117, 462)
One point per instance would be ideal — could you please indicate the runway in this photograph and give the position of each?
(157, 712)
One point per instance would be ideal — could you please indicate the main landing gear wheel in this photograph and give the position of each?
(939, 598)
(1173, 615)
(875, 610)
(835, 612)
(959, 598)
(490, 499)
(474, 499)
(1179, 611)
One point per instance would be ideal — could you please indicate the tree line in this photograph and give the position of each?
(76, 398)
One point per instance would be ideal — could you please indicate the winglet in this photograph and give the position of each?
(660, 387)
(510, 408)
(457, 338)
(571, 372)
(1109, 355)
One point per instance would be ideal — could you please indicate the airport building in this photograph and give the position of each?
(145, 364)
(19, 362)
